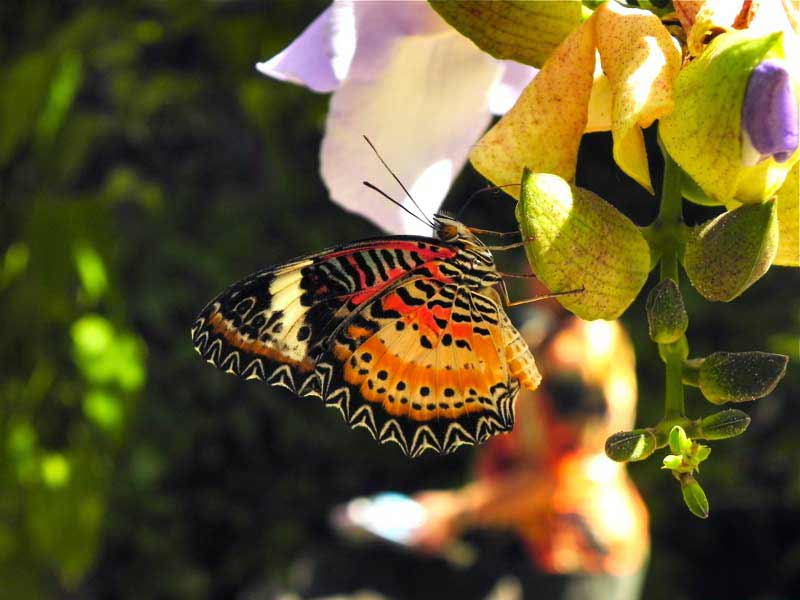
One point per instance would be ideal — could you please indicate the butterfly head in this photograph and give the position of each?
(452, 230)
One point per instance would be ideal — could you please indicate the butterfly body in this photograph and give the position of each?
(404, 335)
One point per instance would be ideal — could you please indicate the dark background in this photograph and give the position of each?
(144, 166)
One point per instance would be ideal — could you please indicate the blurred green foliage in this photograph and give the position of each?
(144, 166)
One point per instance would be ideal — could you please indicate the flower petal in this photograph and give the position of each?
(505, 92)
(641, 60)
(600, 103)
(543, 130)
(349, 39)
(788, 201)
(423, 111)
(770, 111)
(320, 57)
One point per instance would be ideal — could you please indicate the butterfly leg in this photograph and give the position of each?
(510, 246)
(492, 232)
(508, 302)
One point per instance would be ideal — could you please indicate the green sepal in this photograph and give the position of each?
(725, 256)
(740, 376)
(695, 194)
(526, 31)
(631, 445)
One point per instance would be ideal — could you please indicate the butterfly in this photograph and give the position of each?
(405, 335)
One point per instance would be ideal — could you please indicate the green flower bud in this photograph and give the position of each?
(693, 496)
(631, 445)
(740, 376)
(733, 104)
(679, 443)
(725, 256)
(666, 316)
(723, 425)
(673, 462)
(580, 241)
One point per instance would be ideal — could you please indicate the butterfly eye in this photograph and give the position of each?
(448, 232)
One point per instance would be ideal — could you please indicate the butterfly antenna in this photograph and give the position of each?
(397, 179)
(474, 194)
(393, 201)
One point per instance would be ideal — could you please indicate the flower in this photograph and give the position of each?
(542, 132)
(421, 91)
(734, 128)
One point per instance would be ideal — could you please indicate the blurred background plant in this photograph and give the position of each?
(144, 165)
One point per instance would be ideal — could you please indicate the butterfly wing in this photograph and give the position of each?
(274, 324)
(428, 365)
(381, 331)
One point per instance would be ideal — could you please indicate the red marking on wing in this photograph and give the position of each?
(427, 254)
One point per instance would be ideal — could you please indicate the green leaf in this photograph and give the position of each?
(23, 88)
(579, 241)
(725, 256)
(741, 376)
(91, 270)
(666, 316)
(526, 31)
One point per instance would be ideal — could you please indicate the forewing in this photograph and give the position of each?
(274, 324)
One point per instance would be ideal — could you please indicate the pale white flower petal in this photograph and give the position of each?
(349, 39)
(504, 94)
(309, 60)
(424, 109)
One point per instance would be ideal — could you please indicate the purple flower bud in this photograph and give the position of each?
(769, 112)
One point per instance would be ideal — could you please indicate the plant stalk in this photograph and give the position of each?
(670, 222)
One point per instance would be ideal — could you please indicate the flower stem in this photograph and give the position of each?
(670, 222)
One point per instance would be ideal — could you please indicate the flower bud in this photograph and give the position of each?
(724, 424)
(666, 316)
(694, 497)
(726, 255)
(740, 376)
(679, 443)
(673, 462)
(631, 445)
(734, 126)
(613, 260)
